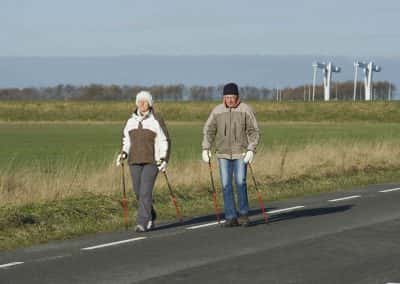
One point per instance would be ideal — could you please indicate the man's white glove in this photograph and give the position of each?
(248, 157)
(122, 156)
(206, 155)
(162, 166)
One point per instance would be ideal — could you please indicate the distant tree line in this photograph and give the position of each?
(339, 91)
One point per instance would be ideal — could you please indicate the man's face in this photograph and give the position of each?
(230, 100)
(143, 106)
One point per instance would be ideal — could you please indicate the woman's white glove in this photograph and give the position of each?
(206, 155)
(122, 156)
(162, 166)
(248, 157)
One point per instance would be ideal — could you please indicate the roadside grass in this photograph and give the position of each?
(343, 111)
(37, 223)
(58, 180)
(35, 214)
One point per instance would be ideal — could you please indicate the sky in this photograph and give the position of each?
(208, 27)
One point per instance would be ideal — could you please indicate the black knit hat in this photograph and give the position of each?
(231, 89)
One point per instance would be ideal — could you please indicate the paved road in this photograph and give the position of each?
(345, 237)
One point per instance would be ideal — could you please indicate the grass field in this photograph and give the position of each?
(58, 179)
(51, 161)
(46, 145)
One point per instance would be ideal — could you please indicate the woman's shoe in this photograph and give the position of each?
(139, 229)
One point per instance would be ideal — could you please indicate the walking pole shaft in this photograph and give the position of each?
(216, 208)
(124, 200)
(260, 201)
(173, 198)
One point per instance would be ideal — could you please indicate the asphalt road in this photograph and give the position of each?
(319, 239)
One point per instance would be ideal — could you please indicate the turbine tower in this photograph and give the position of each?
(327, 69)
(368, 68)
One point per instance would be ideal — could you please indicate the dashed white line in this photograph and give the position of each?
(390, 190)
(284, 209)
(345, 198)
(10, 264)
(114, 243)
(204, 225)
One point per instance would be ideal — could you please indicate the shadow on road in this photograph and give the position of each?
(253, 212)
(202, 219)
(303, 214)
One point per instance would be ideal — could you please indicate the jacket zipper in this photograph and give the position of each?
(230, 131)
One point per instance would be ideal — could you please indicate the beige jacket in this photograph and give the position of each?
(234, 131)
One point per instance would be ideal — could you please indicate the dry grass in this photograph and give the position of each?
(191, 178)
(377, 111)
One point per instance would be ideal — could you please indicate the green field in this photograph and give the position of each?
(33, 144)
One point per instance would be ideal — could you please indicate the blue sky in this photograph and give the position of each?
(185, 27)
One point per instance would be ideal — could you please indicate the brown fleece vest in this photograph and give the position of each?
(142, 149)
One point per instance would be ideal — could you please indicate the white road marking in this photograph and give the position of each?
(114, 243)
(204, 225)
(223, 221)
(393, 283)
(390, 190)
(284, 209)
(10, 264)
(345, 198)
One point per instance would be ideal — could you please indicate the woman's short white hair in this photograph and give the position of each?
(144, 96)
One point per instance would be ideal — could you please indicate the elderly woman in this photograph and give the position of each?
(146, 146)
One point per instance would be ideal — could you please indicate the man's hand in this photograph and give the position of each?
(206, 155)
(248, 157)
(122, 156)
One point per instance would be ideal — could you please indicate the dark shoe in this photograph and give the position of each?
(153, 214)
(139, 229)
(231, 223)
(244, 221)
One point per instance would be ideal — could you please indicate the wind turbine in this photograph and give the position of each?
(327, 69)
(368, 69)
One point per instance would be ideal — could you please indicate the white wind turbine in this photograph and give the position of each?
(368, 68)
(327, 69)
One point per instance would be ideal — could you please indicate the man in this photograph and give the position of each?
(233, 127)
(146, 145)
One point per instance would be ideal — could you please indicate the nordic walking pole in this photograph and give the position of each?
(217, 211)
(171, 193)
(124, 200)
(258, 195)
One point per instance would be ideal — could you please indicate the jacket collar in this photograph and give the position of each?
(140, 117)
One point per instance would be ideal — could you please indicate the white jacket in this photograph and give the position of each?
(153, 133)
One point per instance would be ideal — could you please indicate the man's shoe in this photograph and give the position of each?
(244, 221)
(231, 223)
(139, 229)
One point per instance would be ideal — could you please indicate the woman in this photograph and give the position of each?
(146, 145)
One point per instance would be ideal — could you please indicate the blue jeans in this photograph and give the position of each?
(238, 169)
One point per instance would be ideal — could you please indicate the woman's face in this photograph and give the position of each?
(143, 106)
